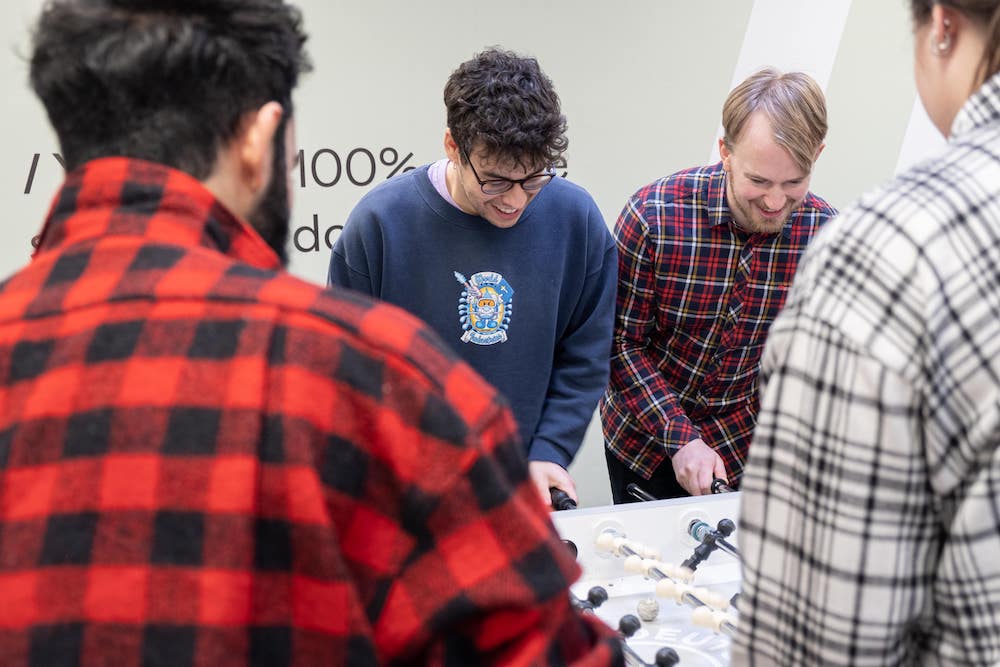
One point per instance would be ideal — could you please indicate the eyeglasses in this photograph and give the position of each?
(498, 186)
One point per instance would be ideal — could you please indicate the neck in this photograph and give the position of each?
(455, 189)
(451, 179)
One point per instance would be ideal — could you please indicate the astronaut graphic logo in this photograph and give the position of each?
(485, 307)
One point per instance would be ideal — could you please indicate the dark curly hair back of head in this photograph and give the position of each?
(503, 105)
(162, 80)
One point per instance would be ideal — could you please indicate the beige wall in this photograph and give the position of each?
(642, 83)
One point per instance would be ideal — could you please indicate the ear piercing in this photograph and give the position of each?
(944, 45)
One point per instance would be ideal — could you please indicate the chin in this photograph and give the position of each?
(503, 224)
(770, 225)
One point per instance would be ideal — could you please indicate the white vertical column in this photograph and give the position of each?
(800, 35)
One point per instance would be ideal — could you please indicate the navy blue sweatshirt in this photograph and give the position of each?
(530, 307)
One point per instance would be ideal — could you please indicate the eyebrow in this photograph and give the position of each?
(758, 177)
(488, 175)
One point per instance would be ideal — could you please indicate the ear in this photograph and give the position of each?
(818, 151)
(944, 29)
(255, 145)
(451, 147)
(725, 154)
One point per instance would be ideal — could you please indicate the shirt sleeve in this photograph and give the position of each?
(580, 364)
(486, 579)
(350, 257)
(869, 526)
(635, 378)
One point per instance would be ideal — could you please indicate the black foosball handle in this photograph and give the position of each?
(721, 486)
(561, 499)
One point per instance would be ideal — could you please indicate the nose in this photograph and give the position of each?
(774, 199)
(516, 197)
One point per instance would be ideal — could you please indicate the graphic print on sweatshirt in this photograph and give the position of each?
(485, 307)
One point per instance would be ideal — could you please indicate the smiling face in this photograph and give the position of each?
(765, 185)
(502, 210)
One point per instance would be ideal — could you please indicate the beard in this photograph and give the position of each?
(272, 215)
(753, 221)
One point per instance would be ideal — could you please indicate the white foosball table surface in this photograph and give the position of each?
(662, 525)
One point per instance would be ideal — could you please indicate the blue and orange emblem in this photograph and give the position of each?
(485, 307)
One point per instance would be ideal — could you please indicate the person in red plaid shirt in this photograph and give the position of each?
(205, 461)
(706, 256)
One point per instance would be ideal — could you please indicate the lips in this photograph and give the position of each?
(505, 214)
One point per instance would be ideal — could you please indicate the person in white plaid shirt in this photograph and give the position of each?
(870, 512)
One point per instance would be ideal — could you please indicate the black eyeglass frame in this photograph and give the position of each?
(507, 184)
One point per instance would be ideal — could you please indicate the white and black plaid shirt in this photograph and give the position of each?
(870, 525)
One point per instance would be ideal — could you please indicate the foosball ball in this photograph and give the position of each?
(665, 573)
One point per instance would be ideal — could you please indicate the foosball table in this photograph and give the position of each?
(665, 573)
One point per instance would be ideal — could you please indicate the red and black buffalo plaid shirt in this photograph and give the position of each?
(696, 297)
(205, 461)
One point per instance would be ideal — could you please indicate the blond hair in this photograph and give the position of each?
(794, 104)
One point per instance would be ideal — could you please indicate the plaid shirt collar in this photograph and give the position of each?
(982, 108)
(720, 214)
(718, 203)
(129, 197)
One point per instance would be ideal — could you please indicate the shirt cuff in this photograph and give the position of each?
(678, 433)
(543, 450)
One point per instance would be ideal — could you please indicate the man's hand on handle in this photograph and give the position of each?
(546, 474)
(696, 465)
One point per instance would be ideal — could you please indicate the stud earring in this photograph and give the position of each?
(944, 46)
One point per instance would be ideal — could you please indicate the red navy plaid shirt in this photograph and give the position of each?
(205, 461)
(696, 297)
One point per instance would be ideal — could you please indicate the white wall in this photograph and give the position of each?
(642, 84)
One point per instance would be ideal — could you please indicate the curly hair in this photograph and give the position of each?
(162, 80)
(502, 104)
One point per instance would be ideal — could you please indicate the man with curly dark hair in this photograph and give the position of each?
(512, 266)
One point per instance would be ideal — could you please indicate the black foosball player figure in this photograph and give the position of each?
(666, 657)
(628, 625)
(710, 541)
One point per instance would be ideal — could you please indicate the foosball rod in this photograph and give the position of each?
(627, 627)
(651, 569)
(701, 532)
(708, 615)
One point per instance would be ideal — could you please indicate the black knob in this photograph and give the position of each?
(726, 527)
(597, 596)
(572, 547)
(629, 624)
(666, 657)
